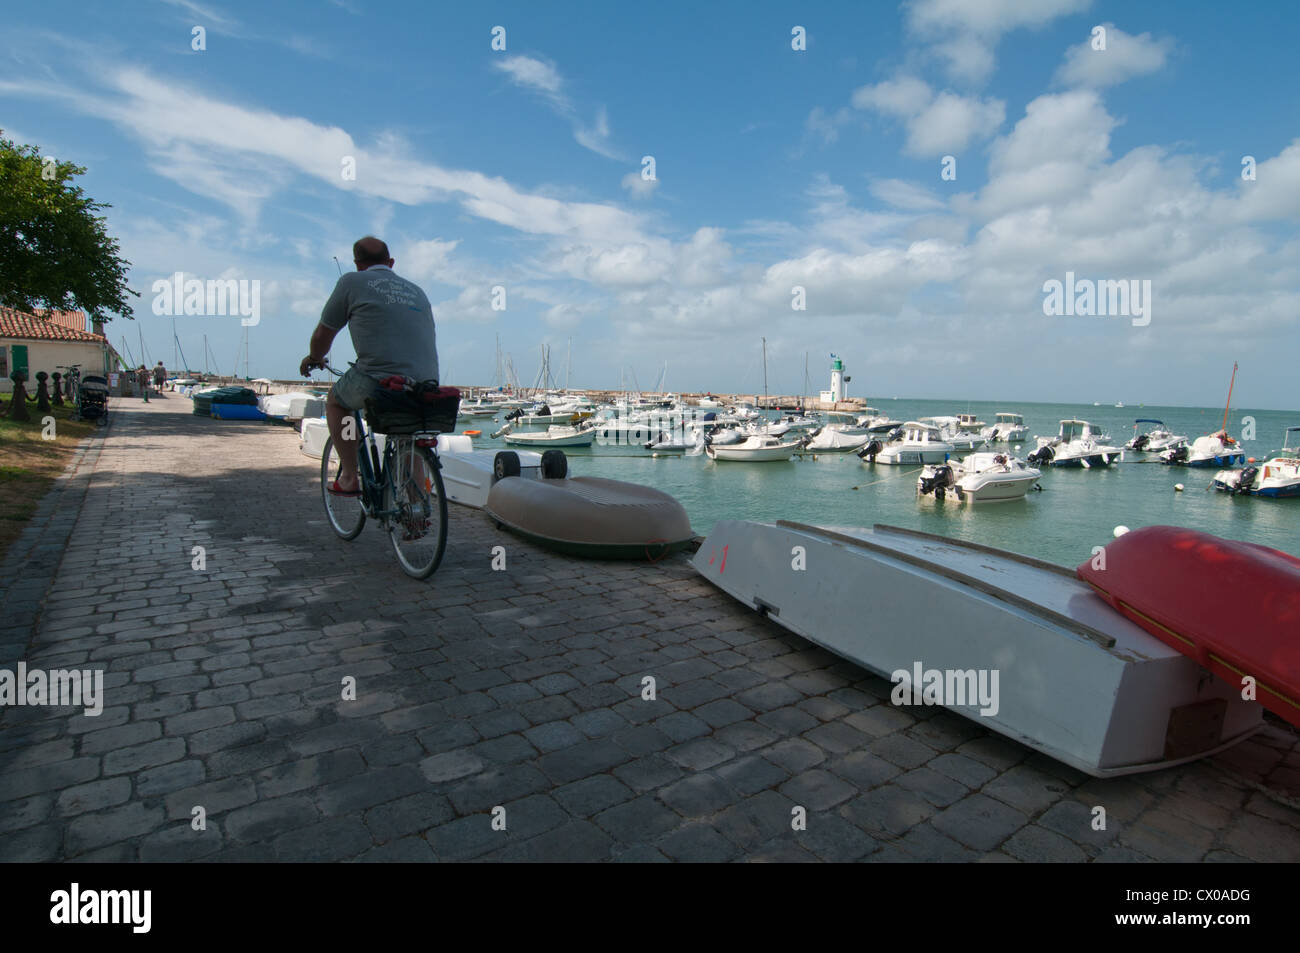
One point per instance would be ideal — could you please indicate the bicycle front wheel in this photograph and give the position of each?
(345, 514)
(417, 506)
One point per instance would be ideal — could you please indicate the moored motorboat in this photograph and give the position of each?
(552, 436)
(1277, 477)
(1079, 444)
(1007, 428)
(1065, 673)
(979, 478)
(1213, 450)
(919, 444)
(833, 438)
(758, 448)
(1155, 440)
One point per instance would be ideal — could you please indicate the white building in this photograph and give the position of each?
(50, 344)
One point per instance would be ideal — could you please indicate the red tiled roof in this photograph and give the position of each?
(18, 324)
(69, 319)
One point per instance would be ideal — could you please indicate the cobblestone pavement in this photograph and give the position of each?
(479, 689)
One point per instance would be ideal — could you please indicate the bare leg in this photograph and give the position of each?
(335, 415)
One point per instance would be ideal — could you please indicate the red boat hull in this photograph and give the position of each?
(1233, 607)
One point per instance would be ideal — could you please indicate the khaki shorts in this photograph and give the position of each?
(352, 389)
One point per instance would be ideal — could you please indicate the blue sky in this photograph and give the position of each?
(775, 168)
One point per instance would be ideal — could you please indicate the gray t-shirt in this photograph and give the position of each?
(390, 320)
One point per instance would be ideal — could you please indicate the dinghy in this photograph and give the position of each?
(1070, 676)
(1233, 607)
(591, 517)
(759, 448)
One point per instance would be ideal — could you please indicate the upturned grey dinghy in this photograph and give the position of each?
(948, 620)
(591, 516)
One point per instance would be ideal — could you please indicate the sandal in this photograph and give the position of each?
(339, 491)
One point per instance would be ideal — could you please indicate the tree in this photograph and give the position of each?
(55, 251)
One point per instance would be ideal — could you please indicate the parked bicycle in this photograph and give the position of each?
(400, 481)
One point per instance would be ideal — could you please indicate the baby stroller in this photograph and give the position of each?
(92, 399)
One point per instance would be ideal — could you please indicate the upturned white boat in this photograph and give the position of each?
(1013, 643)
(760, 448)
(550, 437)
(979, 478)
(1277, 477)
(292, 406)
(1007, 428)
(920, 443)
(1079, 444)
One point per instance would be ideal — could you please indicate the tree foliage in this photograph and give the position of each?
(55, 250)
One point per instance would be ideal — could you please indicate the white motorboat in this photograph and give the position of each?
(950, 431)
(1212, 450)
(1277, 477)
(292, 406)
(1015, 644)
(845, 422)
(553, 436)
(726, 437)
(979, 478)
(872, 420)
(1155, 440)
(920, 443)
(759, 448)
(1078, 444)
(834, 439)
(1008, 428)
(709, 403)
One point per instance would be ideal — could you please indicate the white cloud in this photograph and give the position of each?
(1125, 56)
(902, 97)
(534, 74)
(964, 33)
(905, 195)
(935, 124)
(639, 187)
(542, 77)
(827, 126)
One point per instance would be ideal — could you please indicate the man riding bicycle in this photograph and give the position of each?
(391, 323)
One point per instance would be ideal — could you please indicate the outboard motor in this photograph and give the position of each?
(1140, 442)
(994, 435)
(1246, 480)
(936, 483)
(544, 411)
(870, 450)
(1177, 455)
(895, 434)
(514, 414)
(1042, 456)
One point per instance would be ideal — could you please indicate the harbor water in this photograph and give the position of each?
(1077, 509)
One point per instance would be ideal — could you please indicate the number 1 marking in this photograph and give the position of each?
(723, 567)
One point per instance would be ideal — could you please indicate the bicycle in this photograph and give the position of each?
(401, 487)
(72, 387)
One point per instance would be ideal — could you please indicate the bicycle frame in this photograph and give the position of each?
(373, 468)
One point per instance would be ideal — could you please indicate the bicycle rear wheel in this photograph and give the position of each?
(417, 506)
(345, 514)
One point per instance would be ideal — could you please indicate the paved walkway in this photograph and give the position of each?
(479, 690)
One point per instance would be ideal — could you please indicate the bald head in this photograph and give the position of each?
(370, 251)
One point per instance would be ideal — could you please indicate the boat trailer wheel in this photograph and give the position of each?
(555, 465)
(506, 464)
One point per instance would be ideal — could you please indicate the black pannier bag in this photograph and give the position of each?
(417, 407)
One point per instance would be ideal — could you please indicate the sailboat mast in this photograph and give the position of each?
(1229, 404)
(568, 366)
(205, 356)
(764, 373)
